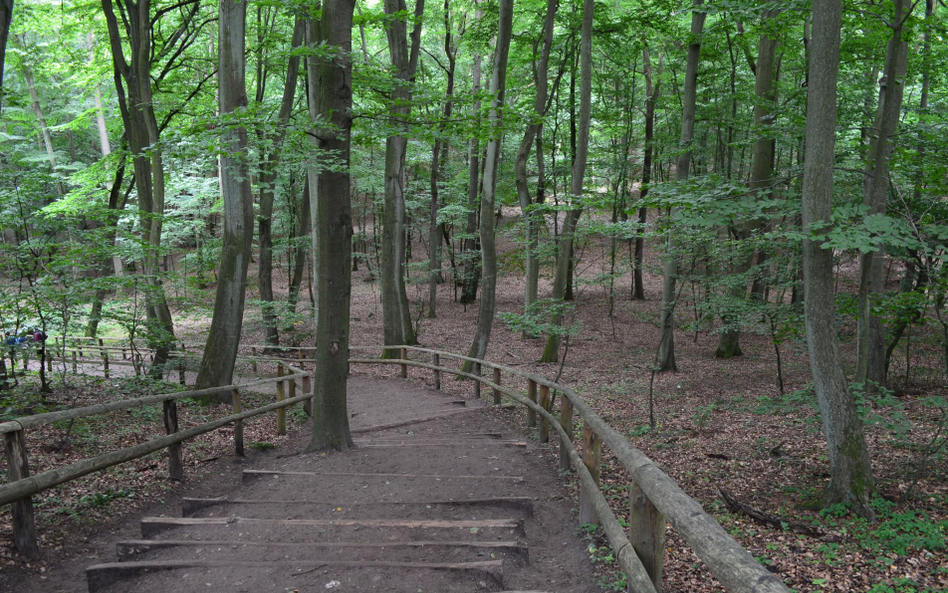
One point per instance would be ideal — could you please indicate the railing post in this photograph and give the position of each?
(477, 384)
(300, 356)
(79, 347)
(124, 355)
(545, 404)
(49, 358)
(532, 395)
(75, 366)
(175, 467)
(238, 424)
(281, 395)
(18, 468)
(404, 356)
(566, 421)
(647, 534)
(496, 382)
(437, 372)
(592, 457)
(292, 392)
(307, 404)
(253, 359)
(105, 358)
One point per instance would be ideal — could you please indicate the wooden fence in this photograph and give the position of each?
(655, 499)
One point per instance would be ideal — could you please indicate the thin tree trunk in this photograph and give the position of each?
(870, 362)
(268, 178)
(470, 254)
(331, 90)
(498, 86)
(220, 351)
(851, 473)
(533, 220)
(651, 98)
(439, 156)
(552, 348)
(6, 17)
(666, 349)
(762, 171)
(396, 310)
(299, 260)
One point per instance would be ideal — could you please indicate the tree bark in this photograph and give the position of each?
(299, 260)
(851, 473)
(268, 178)
(439, 156)
(330, 89)
(762, 167)
(396, 311)
(551, 351)
(6, 17)
(666, 348)
(870, 362)
(651, 98)
(220, 351)
(133, 85)
(498, 87)
(532, 220)
(471, 255)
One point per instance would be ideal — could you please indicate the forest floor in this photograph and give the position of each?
(720, 425)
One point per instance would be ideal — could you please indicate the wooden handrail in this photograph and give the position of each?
(734, 567)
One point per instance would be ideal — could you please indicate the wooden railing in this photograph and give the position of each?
(654, 498)
(22, 485)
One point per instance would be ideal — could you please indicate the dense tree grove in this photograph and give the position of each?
(783, 167)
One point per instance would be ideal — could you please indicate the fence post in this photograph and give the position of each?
(437, 372)
(496, 382)
(477, 384)
(300, 356)
(292, 391)
(545, 404)
(404, 356)
(49, 358)
(307, 404)
(75, 367)
(18, 467)
(647, 534)
(238, 424)
(175, 467)
(105, 358)
(566, 421)
(532, 395)
(281, 395)
(253, 359)
(592, 457)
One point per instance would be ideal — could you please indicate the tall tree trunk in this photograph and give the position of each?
(396, 312)
(533, 220)
(471, 255)
(330, 88)
(41, 119)
(666, 348)
(498, 87)
(651, 98)
(851, 473)
(439, 157)
(133, 85)
(762, 172)
(870, 362)
(299, 260)
(6, 17)
(223, 338)
(551, 352)
(268, 178)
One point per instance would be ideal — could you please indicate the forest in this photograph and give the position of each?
(724, 222)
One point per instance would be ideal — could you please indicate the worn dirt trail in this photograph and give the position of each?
(457, 503)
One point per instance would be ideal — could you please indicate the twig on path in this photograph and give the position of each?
(758, 515)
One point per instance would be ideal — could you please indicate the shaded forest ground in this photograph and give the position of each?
(720, 425)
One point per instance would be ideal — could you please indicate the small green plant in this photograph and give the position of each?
(260, 445)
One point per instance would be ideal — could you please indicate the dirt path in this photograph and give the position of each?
(456, 503)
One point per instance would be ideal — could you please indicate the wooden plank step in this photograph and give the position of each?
(101, 576)
(444, 435)
(461, 443)
(251, 473)
(410, 421)
(130, 549)
(153, 525)
(522, 503)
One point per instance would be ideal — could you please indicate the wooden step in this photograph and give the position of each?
(131, 549)
(364, 444)
(521, 503)
(253, 473)
(101, 576)
(154, 525)
(410, 421)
